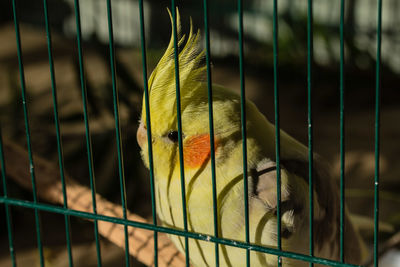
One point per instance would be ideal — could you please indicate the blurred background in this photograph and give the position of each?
(360, 62)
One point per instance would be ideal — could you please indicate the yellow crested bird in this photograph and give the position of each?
(261, 176)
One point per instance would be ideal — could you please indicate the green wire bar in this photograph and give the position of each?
(28, 134)
(179, 120)
(342, 131)
(87, 129)
(6, 206)
(172, 231)
(310, 122)
(377, 131)
(148, 123)
(211, 125)
(57, 125)
(243, 125)
(277, 129)
(118, 129)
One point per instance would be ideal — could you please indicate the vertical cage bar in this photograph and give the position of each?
(6, 207)
(211, 125)
(118, 128)
(243, 125)
(87, 129)
(310, 129)
(28, 134)
(342, 131)
(179, 120)
(148, 123)
(58, 131)
(377, 131)
(277, 129)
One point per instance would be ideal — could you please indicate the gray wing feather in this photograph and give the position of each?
(326, 208)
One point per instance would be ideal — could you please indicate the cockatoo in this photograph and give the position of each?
(261, 177)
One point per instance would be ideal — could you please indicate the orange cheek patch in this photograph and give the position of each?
(197, 150)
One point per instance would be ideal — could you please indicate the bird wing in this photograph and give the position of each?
(294, 174)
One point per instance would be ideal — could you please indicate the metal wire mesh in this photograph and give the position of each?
(67, 213)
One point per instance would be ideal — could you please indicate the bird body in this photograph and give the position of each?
(261, 177)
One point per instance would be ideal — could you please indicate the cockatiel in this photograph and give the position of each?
(261, 177)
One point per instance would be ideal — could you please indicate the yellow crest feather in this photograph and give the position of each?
(162, 81)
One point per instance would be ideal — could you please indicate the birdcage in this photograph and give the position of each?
(91, 121)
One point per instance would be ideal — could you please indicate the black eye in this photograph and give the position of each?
(173, 136)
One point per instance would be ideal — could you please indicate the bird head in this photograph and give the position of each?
(194, 107)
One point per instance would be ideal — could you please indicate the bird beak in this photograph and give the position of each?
(141, 135)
